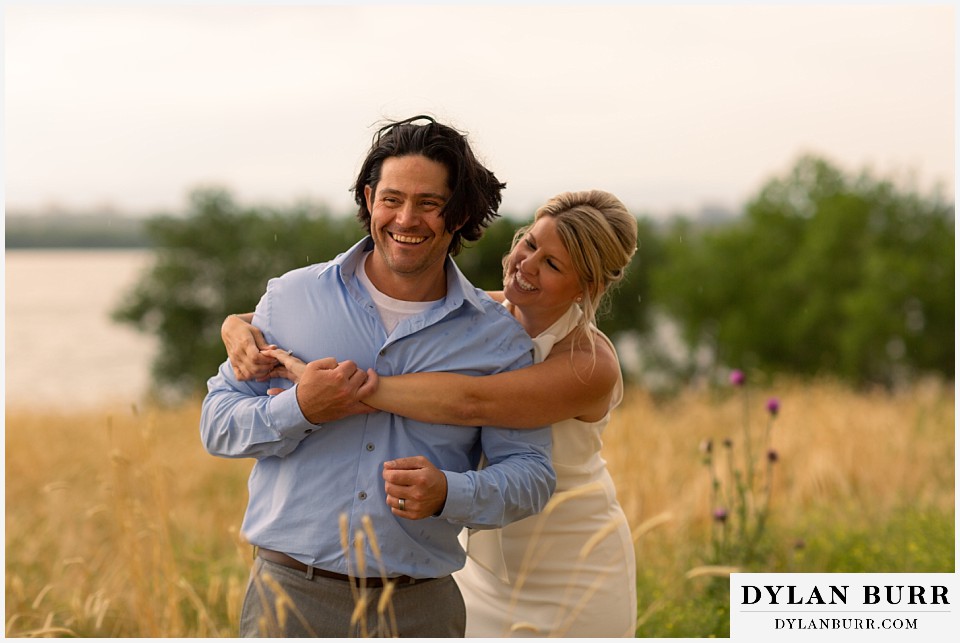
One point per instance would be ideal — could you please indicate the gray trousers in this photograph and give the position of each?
(283, 602)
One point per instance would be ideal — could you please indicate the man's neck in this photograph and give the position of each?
(429, 285)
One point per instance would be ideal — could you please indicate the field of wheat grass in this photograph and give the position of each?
(119, 524)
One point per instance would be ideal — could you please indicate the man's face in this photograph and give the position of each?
(406, 222)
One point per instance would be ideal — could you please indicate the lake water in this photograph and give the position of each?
(62, 350)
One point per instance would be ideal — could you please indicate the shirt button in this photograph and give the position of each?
(383, 352)
(308, 431)
(370, 446)
(362, 495)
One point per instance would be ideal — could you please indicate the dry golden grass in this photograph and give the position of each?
(839, 450)
(119, 524)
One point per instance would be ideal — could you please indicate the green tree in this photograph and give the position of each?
(824, 273)
(482, 261)
(214, 261)
(628, 304)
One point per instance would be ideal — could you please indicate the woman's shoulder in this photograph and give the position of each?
(597, 363)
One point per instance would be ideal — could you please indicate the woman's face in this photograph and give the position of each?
(539, 272)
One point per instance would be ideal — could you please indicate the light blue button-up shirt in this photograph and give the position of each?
(307, 476)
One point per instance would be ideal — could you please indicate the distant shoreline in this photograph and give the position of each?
(53, 246)
(100, 232)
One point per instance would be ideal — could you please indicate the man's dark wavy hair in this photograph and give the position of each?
(475, 191)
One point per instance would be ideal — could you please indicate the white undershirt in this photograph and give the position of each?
(392, 311)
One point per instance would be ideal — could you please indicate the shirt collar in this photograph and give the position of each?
(459, 288)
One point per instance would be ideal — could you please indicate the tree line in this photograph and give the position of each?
(824, 273)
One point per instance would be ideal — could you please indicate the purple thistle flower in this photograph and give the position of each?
(737, 378)
(772, 456)
(773, 406)
(720, 515)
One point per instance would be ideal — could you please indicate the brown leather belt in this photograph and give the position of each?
(310, 572)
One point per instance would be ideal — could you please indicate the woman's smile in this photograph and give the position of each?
(522, 283)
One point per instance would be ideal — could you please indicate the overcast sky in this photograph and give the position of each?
(671, 108)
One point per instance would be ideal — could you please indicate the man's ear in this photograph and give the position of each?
(368, 197)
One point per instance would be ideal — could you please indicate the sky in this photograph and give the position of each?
(673, 108)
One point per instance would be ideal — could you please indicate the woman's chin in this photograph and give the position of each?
(515, 294)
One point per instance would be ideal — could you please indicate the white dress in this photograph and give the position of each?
(569, 571)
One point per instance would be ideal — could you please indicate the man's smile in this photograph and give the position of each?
(404, 238)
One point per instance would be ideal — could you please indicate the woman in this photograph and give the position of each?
(569, 571)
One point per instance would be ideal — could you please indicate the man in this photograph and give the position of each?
(338, 493)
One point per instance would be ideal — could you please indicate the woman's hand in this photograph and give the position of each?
(292, 368)
(285, 365)
(327, 389)
(369, 387)
(244, 343)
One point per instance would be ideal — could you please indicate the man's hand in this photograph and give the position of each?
(327, 391)
(421, 486)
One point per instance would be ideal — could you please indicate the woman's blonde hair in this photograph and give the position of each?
(600, 235)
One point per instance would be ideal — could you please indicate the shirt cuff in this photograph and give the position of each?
(287, 417)
(459, 503)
